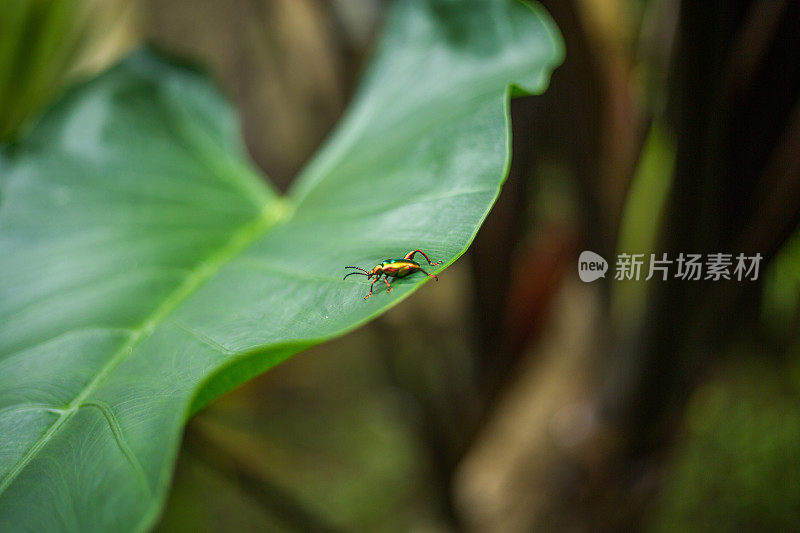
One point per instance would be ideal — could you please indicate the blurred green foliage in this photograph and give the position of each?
(738, 466)
(39, 42)
(46, 44)
(781, 303)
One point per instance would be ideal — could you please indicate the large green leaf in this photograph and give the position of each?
(145, 268)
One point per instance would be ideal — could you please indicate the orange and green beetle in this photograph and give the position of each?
(395, 268)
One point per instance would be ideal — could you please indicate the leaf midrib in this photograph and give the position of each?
(274, 212)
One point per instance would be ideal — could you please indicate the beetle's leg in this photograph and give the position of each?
(410, 257)
(429, 275)
(386, 281)
(370, 287)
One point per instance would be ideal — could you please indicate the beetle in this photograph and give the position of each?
(395, 268)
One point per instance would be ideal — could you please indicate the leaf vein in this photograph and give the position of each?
(119, 437)
(271, 214)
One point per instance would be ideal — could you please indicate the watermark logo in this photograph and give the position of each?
(687, 267)
(591, 266)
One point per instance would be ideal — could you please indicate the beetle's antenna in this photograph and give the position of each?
(366, 272)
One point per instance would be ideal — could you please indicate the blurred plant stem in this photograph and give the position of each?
(642, 219)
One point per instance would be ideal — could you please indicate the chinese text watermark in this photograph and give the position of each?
(688, 267)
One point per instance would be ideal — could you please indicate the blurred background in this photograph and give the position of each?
(511, 396)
